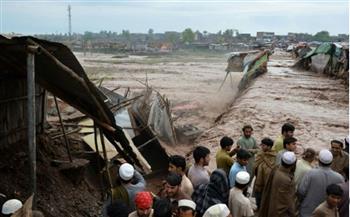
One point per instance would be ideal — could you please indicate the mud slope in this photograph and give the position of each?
(315, 104)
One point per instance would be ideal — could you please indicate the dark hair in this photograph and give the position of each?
(173, 179)
(243, 154)
(288, 140)
(118, 209)
(334, 189)
(323, 164)
(287, 127)
(186, 208)
(337, 142)
(37, 213)
(226, 141)
(247, 126)
(162, 208)
(267, 141)
(240, 186)
(178, 161)
(200, 152)
(309, 153)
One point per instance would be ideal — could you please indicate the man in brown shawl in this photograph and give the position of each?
(278, 199)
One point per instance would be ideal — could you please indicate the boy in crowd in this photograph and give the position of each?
(197, 173)
(240, 165)
(329, 207)
(177, 164)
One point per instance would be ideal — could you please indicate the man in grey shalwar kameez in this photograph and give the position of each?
(312, 189)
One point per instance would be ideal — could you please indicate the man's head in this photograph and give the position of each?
(334, 194)
(126, 172)
(201, 155)
(287, 130)
(143, 203)
(162, 208)
(242, 180)
(309, 155)
(289, 160)
(336, 147)
(226, 143)
(177, 164)
(11, 206)
(118, 208)
(325, 158)
(290, 143)
(266, 144)
(218, 210)
(243, 157)
(247, 130)
(172, 186)
(186, 208)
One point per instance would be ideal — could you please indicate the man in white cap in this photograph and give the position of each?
(186, 208)
(10, 207)
(278, 198)
(312, 188)
(238, 204)
(132, 182)
(218, 210)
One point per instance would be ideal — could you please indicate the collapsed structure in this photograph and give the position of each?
(331, 59)
(136, 134)
(252, 64)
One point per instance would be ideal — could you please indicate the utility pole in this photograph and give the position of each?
(69, 21)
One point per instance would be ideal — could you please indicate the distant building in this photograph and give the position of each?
(265, 36)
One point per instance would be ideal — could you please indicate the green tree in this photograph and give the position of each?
(187, 35)
(171, 37)
(126, 34)
(228, 35)
(322, 36)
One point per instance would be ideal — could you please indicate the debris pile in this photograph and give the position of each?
(331, 59)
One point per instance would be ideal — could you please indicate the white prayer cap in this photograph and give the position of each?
(217, 210)
(242, 177)
(126, 171)
(187, 203)
(325, 156)
(289, 158)
(11, 206)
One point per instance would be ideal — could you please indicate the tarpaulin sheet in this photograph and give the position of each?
(319, 62)
(253, 71)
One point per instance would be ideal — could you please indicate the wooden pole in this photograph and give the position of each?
(63, 130)
(98, 161)
(31, 117)
(106, 163)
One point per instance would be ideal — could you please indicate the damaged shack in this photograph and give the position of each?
(331, 59)
(49, 167)
(252, 64)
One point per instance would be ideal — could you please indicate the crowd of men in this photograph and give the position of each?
(316, 185)
(281, 185)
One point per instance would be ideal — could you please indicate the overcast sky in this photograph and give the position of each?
(248, 16)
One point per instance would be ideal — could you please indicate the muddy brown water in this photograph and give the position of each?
(317, 105)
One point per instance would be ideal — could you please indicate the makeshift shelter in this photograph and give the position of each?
(30, 66)
(254, 65)
(328, 58)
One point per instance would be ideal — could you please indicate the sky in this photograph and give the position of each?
(247, 16)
